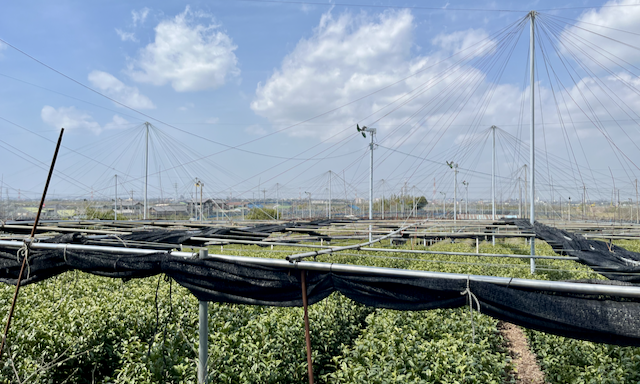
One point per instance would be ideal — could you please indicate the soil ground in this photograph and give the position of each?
(527, 370)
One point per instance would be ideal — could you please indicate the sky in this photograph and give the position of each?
(260, 99)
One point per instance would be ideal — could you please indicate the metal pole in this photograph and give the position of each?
(532, 158)
(637, 211)
(455, 193)
(201, 206)
(307, 334)
(329, 195)
(203, 333)
(584, 202)
(278, 201)
(115, 203)
(520, 198)
(569, 204)
(493, 176)
(33, 232)
(382, 199)
(372, 131)
(146, 170)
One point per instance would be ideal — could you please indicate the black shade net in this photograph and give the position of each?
(612, 261)
(600, 319)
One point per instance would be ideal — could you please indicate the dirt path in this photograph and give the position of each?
(526, 367)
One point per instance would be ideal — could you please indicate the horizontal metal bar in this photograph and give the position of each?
(543, 285)
(470, 254)
(213, 241)
(300, 256)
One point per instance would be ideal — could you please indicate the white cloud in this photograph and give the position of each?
(69, 118)
(189, 55)
(126, 36)
(139, 16)
(116, 89)
(72, 119)
(349, 57)
(212, 120)
(463, 41)
(345, 58)
(603, 29)
(118, 122)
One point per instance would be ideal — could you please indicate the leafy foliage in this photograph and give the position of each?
(79, 328)
(261, 214)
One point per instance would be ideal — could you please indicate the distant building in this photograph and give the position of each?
(168, 211)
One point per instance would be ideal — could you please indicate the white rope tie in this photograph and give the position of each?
(24, 252)
(472, 298)
(64, 253)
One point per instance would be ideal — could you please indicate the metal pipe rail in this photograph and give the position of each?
(512, 256)
(543, 285)
(301, 256)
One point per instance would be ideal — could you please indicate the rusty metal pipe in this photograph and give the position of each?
(33, 232)
(307, 334)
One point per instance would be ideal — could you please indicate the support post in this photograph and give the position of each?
(372, 132)
(329, 195)
(532, 163)
(493, 181)
(33, 232)
(115, 202)
(203, 333)
(455, 194)
(307, 334)
(146, 171)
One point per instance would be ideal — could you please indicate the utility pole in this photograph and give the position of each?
(532, 158)
(382, 199)
(520, 198)
(637, 211)
(146, 170)
(455, 193)
(195, 200)
(309, 193)
(329, 195)
(415, 208)
(201, 206)
(466, 199)
(115, 202)
(569, 204)
(277, 201)
(584, 202)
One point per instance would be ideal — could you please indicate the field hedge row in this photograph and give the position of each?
(79, 328)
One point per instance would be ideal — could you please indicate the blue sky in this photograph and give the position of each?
(288, 81)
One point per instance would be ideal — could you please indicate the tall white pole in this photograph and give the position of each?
(493, 180)
(493, 175)
(146, 170)
(455, 193)
(277, 201)
(382, 199)
(532, 163)
(372, 132)
(329, 195)
(115, 203)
